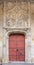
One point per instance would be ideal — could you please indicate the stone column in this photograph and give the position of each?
(28, 46)
(5, 46)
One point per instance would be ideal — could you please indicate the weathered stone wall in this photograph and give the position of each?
(32, 31)
(17, 16)
(1, 31)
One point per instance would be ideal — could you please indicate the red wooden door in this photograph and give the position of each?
(16, 47)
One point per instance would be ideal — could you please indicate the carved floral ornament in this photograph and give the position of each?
(16, 14)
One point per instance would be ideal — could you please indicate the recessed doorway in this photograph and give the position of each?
(16, 47)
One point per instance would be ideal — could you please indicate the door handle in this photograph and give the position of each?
(16, 49)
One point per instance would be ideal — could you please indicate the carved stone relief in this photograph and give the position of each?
(1, 8)
(16, 14)
(32, 11)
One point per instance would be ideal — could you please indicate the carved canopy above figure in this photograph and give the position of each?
(16, 14)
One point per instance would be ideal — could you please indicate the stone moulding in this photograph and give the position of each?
(24, 31)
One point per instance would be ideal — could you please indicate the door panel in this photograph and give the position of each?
(12, 58)
(16, 47)
(20, 45)
(20, 58)
(13, 51)
(20, 52)
(12, 45)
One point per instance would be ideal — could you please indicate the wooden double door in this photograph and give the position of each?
(16, 47)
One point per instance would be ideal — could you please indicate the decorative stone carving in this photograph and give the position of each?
(16, 14)
(32, 11)
(1, 8)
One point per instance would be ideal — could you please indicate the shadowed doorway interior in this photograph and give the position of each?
(16, 47)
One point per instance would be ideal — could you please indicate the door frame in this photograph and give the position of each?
(27, 43)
